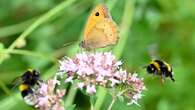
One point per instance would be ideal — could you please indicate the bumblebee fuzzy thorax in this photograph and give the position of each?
(150, 69)
(30, 77)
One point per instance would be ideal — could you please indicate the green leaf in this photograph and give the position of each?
(1, 46)
(71, 107)
(93, 99)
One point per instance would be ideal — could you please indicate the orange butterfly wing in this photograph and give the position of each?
(100, 30)
(103, 34)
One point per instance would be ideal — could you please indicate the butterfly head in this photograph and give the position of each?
(100, 11)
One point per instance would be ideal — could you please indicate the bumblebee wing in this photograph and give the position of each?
(16, 82)
(153, 51)
(144, 66)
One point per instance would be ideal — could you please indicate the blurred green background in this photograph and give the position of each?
(165, 28)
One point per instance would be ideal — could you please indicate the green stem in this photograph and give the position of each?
(4, 88)
(47, 16)
(112, 103)
(92, 106)
(16, 28)
(120, 93)
(124, 27)
(71, 96)
(41, 20)
(31, 53)
(101, 94)
(111, 3)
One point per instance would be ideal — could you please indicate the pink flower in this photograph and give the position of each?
(43, 102)
(92, 68)
(100, 78)
(43, 89)
(114, 82)
(68, 65)
(91, 89)
(47, 97)
(101, 69)
(135, 88)
(80, 85)
(69, 79)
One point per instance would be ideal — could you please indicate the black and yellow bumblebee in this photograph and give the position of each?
(28, 83)
(161, 68)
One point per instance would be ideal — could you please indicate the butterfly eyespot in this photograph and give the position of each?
(97, 14)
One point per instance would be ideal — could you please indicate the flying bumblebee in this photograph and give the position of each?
(161, 68)
(28, 83)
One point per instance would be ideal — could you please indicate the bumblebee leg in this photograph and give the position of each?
(171, 76)
(162, 79)
(163, 76)
(156, 72)
(172, 79)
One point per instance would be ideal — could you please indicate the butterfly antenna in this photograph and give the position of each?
(68, 43)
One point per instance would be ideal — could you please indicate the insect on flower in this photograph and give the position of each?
(43, 95)
(100, 30)
(28, 83)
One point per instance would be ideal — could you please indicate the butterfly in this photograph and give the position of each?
(100, 30)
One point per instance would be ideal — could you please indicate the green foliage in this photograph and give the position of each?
(46, 25)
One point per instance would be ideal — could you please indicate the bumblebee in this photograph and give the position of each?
(28, 84)
(161, 68)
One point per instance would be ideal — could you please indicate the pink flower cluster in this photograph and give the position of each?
(48, 98)
(134, 89)
(89, 70)
(93, 69)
